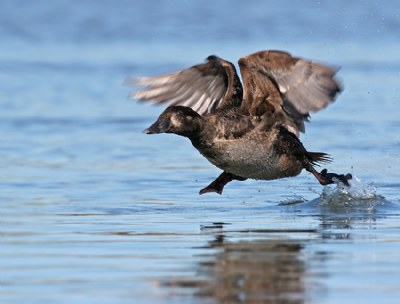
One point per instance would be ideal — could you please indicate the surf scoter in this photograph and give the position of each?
(249, 131)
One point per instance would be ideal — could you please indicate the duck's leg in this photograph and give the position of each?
(219, 183)
(325, 178)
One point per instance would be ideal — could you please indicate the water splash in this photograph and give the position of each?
(359, 194)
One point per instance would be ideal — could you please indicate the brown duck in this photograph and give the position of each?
(248, 131)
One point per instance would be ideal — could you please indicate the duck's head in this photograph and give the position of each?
(178, 120)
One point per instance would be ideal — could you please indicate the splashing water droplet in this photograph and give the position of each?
(358, 194)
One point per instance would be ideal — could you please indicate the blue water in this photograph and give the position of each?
(94, 211)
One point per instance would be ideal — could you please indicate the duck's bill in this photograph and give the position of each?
(160, 126)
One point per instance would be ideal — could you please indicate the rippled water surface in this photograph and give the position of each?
(94, 211)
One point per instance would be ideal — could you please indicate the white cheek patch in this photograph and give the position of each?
(175, 122)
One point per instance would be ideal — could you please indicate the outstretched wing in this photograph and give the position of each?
(293, 86)
(204, 87)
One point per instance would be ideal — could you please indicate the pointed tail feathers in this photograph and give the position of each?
(317, 158)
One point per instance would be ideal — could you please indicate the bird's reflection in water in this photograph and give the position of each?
(277, 267)
(256, 271)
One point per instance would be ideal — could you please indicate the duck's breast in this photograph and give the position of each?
(252, 157)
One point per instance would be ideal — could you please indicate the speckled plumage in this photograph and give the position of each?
(250, 131)
(243, 146)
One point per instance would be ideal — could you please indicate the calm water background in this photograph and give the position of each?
(94, 211)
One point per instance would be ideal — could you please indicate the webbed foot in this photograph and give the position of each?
(326, 178)
(212, 188)
(330, 178)
(219, 183)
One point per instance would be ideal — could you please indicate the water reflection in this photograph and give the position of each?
(255, 271)
(278, 266)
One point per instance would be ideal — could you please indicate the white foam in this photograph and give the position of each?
(358, 194)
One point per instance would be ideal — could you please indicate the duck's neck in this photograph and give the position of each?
(193, 129)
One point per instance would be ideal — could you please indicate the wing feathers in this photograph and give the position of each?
(304, 86)
(202, 87)
(280, 85)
